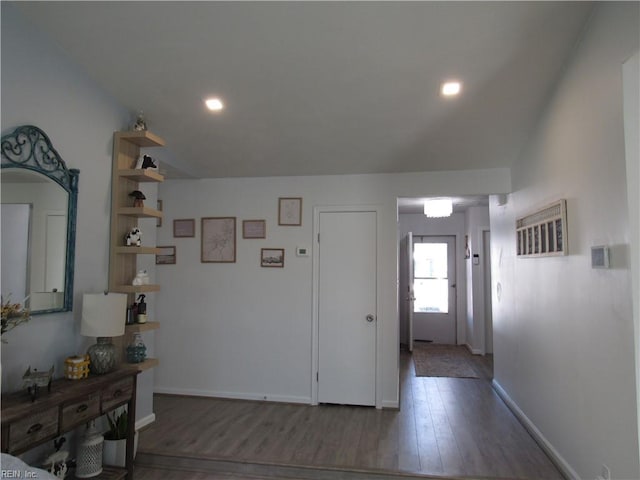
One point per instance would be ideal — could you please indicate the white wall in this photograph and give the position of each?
(40, 86)
(564, 349)
(421, 225)
(631, 80)
(248, 329)
(476, 220)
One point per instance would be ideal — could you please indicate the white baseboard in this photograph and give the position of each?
(391, 404)
(233, 395)
(474, 351)
(143, 422)
(549, 449)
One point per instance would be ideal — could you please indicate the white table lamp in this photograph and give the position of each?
(103, 317)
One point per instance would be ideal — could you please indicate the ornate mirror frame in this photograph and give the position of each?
(28, 147)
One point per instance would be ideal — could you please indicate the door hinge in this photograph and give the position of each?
(318, 238)
(317, 376)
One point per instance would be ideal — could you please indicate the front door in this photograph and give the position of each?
(347, 279)
(434, 289)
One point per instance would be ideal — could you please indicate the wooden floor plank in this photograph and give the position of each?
(445, 427)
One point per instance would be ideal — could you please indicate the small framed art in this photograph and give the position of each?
(272, 257)
(254, 229)
(290, 211)
(159, 220)
(184, 227)
(166, 256)
(218, 240)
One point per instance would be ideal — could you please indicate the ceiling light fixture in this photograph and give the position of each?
(450, 89)
(214, 104)
(438, 207)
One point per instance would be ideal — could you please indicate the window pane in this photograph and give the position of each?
(431, 296)
(431, 283)
(430, 260)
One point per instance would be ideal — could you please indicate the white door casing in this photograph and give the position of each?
(409, 293)
(345, 313)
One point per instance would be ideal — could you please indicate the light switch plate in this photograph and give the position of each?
(600, 256)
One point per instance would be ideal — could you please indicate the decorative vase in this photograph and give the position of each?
(89, 462)
(102, 355)
(115, 451)
(136, 350)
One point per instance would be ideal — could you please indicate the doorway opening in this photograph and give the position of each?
(429, 289)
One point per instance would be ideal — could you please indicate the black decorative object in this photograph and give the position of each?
(138, 198)
(145, 161)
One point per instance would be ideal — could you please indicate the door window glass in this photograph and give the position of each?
(430, 278)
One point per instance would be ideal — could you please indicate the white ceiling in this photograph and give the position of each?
(323, 87)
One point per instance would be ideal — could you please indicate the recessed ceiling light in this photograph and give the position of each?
(450, 89)
(214, 104)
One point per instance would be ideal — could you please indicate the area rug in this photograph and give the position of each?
(433, 360)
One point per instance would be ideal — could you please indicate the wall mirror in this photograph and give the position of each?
(39, 204)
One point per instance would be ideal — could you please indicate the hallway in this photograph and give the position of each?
(446, 427)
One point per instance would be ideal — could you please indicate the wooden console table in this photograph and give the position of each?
(71, 403)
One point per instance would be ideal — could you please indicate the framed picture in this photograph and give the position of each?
(218, 240)
(159, 220)
(167, 256)
(184, 227)
(272, 257)
(543, 233)
(254, 229)
(290, 211)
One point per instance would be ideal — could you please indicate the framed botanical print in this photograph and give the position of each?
(290, 211)
(218, 240)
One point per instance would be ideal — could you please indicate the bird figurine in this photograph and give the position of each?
(138, 198)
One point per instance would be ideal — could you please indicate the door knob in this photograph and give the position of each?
(370, 318)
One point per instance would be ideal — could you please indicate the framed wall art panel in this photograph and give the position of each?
(543, 233)
(218, 240)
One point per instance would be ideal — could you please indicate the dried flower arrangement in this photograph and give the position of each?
(13, 314)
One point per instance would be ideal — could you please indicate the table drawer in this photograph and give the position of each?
(32, 429)
(116, 394)
(80, 411)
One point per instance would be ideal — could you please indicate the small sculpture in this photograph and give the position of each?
(142, 278)
(145, 161)
(140, 124)
(56, 463)
(34, 380)
(133, 238)
(138, 198)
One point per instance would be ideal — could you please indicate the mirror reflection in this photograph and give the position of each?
(34, 238)
(39, 203)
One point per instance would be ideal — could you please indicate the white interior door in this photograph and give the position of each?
(16, 221)
(347, 316)
(409, 293)
(434, 289)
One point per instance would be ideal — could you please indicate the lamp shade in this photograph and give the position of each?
(103, 315)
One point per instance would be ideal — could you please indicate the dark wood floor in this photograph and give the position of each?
(446, 427)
